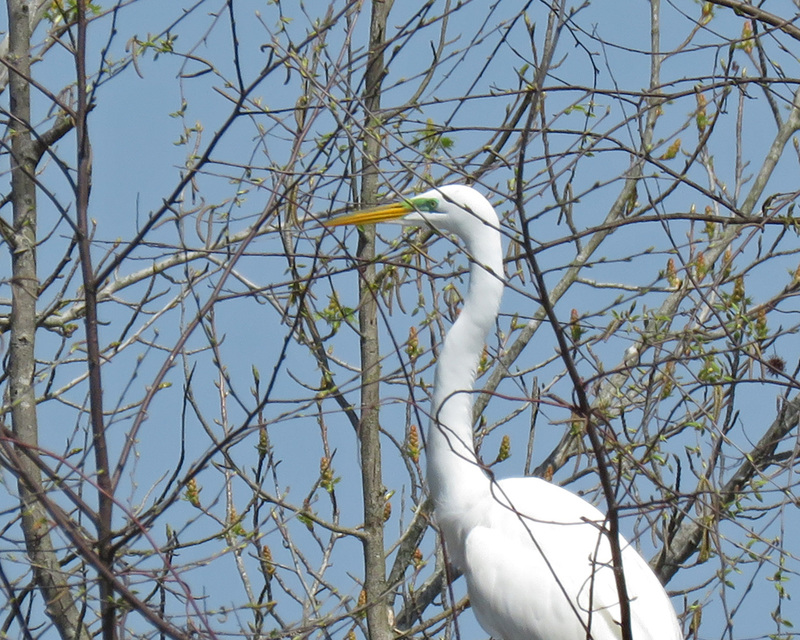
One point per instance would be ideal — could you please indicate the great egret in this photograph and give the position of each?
(537, 563)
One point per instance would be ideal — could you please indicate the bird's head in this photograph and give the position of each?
(454, 208)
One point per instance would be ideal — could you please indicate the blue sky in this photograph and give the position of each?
(150, 120)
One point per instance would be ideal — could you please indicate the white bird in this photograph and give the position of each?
(537, 563)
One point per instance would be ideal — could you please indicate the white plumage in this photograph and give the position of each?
(537, 564)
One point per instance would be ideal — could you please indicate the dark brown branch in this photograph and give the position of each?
(105, 549)
(20, 461)
(752, 11)
(687, 539)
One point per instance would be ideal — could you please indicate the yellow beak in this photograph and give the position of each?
(371, 216)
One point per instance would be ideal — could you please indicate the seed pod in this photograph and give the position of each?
(412, 443)
(193, 493)
(505, 449)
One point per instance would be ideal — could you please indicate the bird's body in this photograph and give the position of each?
(545, 591)
(537, 563)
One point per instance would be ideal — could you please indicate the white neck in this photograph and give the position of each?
(455, 478)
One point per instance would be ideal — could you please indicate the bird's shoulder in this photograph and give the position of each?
(545, 502)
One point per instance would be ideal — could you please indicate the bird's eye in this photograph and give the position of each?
(425, 204)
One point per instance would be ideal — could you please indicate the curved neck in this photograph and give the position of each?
(454, 475)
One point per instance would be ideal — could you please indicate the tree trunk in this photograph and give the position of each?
(369, 428)
(49, 577)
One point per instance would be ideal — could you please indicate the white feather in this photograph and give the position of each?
(536, 560)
